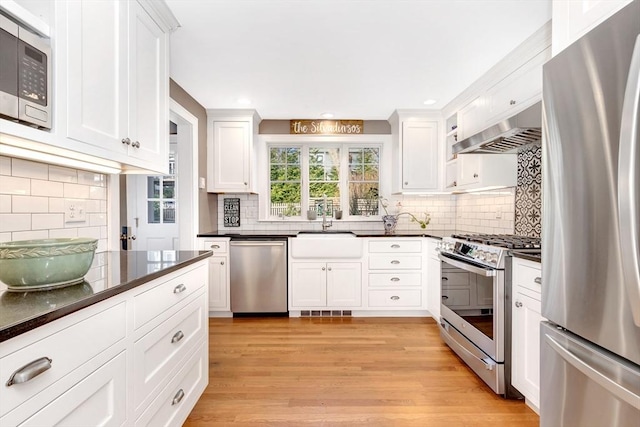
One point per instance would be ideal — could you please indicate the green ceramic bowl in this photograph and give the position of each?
(45, 264)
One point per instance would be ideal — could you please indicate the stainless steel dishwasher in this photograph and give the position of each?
(258, 275)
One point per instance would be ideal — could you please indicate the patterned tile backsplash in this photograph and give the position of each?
(32, 201)
(528, 202)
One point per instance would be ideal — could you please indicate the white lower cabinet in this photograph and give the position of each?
(525, 340)
(219, 285)
(325, 285)
(433, 279)
(106, 364)
(97, 400)
(395, 274)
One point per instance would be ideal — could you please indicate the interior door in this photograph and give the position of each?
(152, 210)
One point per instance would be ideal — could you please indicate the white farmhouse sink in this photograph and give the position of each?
(326, 245)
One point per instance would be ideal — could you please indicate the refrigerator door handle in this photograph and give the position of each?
(614, 388)
(628, 178)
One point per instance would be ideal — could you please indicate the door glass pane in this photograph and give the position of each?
(169, 212)
(168, 189)
(153, 212)
(153, 187)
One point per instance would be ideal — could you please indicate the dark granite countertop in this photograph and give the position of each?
(111, 274)
(438, 234)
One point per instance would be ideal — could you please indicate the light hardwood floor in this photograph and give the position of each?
(343, 372)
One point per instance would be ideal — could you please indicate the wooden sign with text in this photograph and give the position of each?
(326, 127)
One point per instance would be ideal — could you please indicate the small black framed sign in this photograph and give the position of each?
(232, 212)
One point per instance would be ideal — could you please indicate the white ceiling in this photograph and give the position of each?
(358, 59)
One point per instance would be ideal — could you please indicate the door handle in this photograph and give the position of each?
(628, 177)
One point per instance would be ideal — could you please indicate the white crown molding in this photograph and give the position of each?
(161, 14)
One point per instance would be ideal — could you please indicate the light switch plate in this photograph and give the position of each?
(75, 210)
(202, 183)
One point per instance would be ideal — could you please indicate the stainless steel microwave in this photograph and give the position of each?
(25, 75)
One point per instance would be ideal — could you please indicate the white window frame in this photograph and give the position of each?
(382, 142)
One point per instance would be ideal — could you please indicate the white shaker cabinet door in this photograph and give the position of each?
(92, 51)
(420, 155)
(231, 156)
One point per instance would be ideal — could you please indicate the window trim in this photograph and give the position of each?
(265, 142)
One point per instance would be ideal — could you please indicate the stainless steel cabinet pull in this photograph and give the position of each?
(395, 298)
(394, 246)
(395, 279)
(323, 269)
(538, 280)
(135, 144)
(178, 397)
(180, 288)
(329, 268)
(406, 183)
(221, 262)
(177, 337)
(518, 304)
(215, 246)
(126, 141)
(475, 175)
(395, 261)
(29, 371)
(512, 102)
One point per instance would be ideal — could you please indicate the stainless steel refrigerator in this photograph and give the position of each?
(590, 346)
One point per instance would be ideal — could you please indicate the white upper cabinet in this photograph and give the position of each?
(573, 19)
(113, 82)
(477, 171)
(416, 139)
(230, 162)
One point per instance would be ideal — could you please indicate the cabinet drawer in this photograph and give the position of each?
(456, 297)
(162, 297)
(395, 246)
(395, 262)
(175, 401)
(88, 338)
(96, 400)
(526, 275)
(395, 298)
(395, 279)
(160, 350)
(217, 246)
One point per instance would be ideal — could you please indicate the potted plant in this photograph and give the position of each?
(390, 221)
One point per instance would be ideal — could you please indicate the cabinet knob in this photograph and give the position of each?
(512, 102)
(221, 262)
(518, 304)
(30, 371)
(323, 269)
(245, 184)
(406, 183)
(126, 141)
(329, 268)
(475, 175)
(135, 144)
(455, 183)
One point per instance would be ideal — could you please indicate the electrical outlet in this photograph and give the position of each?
(498, 212)
(75, 210)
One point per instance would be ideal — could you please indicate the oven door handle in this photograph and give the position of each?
(486, 272)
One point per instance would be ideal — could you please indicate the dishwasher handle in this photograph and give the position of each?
(258, 243)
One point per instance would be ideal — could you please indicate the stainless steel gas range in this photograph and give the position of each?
(475, 321)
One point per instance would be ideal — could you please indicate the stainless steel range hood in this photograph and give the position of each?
(522, 129)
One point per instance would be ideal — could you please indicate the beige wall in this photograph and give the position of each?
(207, 203)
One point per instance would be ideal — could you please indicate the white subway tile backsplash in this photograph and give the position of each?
(15, 185)
(29, 204)
(63, 233)
(30, 235)
(28, 169)
(5, 237)
(15, 222)
(92, 179)
(5, 203)
(97, 219)
(46, 188)
(98, 193)
(93, 232)
(61, 174)
(76, 191)
(5, 165)
(56, 205)
(47, 221)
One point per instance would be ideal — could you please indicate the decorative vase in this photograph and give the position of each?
(390, 222)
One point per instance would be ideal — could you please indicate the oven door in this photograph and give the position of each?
(473, 303)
